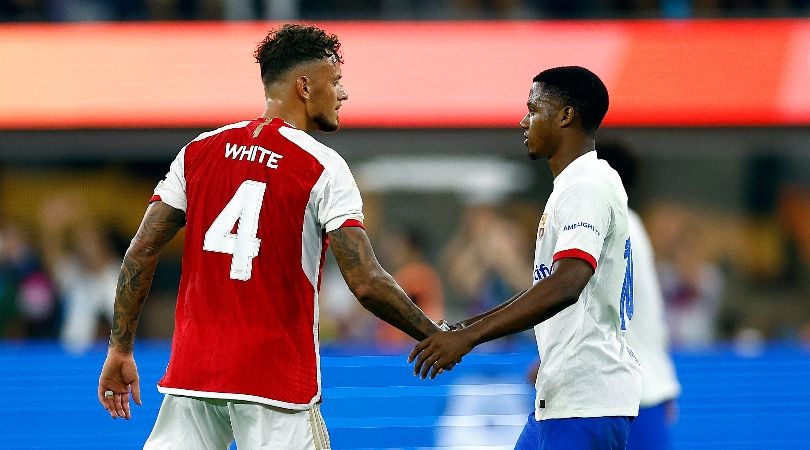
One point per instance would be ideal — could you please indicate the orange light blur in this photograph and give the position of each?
(415, 74)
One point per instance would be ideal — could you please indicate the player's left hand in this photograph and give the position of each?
(440, 351)
(119, 375)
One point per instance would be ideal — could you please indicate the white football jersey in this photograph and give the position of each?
(587, 369)
(648, 333)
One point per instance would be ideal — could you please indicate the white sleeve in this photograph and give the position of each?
(584, 217)
(172, 189)
(340, 200)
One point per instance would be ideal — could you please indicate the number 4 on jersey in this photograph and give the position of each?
(244, 207)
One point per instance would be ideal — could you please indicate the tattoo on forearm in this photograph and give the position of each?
(159, 225)
(129, 297)
(381, 295)
(399, 311)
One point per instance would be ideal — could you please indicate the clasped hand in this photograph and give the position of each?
(440, 351)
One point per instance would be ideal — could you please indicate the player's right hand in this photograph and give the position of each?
(440, 352)
(119, 375)
(446, 326)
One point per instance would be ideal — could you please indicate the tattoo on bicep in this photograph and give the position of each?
(160, 224)
(346, 248)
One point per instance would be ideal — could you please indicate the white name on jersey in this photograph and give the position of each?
(254, 153)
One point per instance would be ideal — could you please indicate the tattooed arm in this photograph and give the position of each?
(119, 374)
(159, 226)
(374, 287)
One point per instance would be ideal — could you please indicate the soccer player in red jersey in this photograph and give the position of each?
(261, 201)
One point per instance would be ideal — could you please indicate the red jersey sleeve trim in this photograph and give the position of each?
(155, 198)
(352, 223)
(576, 253)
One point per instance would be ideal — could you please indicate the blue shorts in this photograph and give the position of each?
(578, 433)
(650, 430)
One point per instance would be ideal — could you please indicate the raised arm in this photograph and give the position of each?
(374, 287)
(119, 374)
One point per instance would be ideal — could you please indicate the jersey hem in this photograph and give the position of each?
(242, 397)
(586, 413)
(648, 404)
(660, 397)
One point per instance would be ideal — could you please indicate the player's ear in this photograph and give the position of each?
(302, 87)
(566, 116)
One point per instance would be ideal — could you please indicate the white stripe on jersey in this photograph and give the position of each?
(342, 201)
(208, 134)
(311, 235)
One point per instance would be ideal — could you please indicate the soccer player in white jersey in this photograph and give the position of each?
(648, 335)
(261, 201)
(581, 300)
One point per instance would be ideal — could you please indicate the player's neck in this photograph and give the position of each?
(568, 151)
(279, 109)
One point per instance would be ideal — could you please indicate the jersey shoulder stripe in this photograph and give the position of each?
(208, 134)
(325, 155)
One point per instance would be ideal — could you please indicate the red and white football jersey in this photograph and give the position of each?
(259, 198)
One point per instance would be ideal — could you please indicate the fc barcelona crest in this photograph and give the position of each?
(542, 227)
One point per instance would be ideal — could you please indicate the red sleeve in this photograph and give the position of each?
(578, 254)
(352, 223)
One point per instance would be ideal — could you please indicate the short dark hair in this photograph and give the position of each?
(580, 88)
(621, 159)
(286, 47)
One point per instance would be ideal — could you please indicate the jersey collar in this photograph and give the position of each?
(572, 169)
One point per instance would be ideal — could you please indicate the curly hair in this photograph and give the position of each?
(578, 87)
(286, 47)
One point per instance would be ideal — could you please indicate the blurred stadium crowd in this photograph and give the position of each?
(727, 277)
(112, 10)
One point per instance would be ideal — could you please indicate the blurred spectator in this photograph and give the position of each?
(692, 284)
(85, 267)
(765, 255)
(416, 277)
(794, 214)
(27, 300)
(487, 261)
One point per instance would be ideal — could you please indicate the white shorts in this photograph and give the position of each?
(196, 423)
